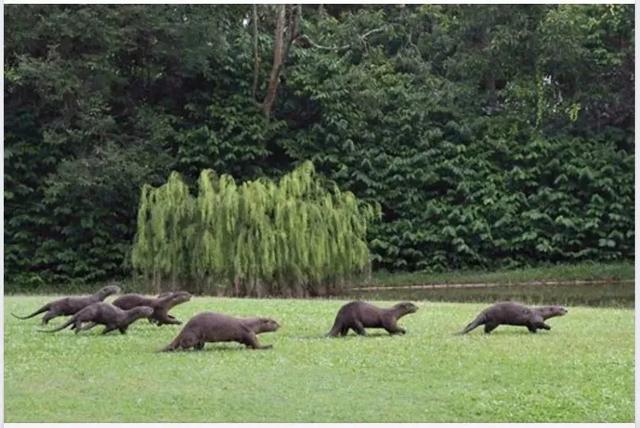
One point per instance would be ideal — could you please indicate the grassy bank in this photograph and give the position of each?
(573, 373)
(565, 272)
(581, 272)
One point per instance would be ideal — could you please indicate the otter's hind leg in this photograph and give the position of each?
(87, 326)
(77, 326)
(358, 328)
(338, 329)
(108, 328)
(489, 327)
(51, 314)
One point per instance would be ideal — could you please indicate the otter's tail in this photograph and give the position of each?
(63, 326)
(45, 308)
(335, 330)
(473, 324)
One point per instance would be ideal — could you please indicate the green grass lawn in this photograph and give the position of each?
(580, 371)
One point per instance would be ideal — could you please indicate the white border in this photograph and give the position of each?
(330, 425)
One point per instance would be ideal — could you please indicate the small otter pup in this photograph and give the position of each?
(510, 313)
(106, 314)
(161, 305)
(360, 315)
(212, 327)
(71, 305)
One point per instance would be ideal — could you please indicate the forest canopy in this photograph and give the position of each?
(489, 135)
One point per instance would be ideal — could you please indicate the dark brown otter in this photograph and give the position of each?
(161, 305)
(510, 313)
(71, 305)
(212, 327)
(360, 315)
(106, 314)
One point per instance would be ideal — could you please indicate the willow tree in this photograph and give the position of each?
(167, 227)
(298, 236)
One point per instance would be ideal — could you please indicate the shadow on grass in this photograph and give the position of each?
(523, 332)
(347, 337)
(212, 348)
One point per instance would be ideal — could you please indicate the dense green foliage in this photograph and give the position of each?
(293, 237)
(489, 135)
(572, 373)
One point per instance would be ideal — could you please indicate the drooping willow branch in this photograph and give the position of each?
(294, 236)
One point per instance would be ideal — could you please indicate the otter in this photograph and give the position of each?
(213, 327)
(161, 305)
(106, 314)
(510, 313)
(71, 305)
(360, 315)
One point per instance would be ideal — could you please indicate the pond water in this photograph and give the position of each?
(611, 294)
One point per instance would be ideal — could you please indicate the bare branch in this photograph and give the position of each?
(370, 32)
(337, 48)
(317, 46)
(293, 28)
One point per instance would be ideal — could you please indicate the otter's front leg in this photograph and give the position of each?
(251, 340)
(543, 326)
(167, 319)
(392, 328)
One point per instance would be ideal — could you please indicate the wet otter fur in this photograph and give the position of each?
(106, 314)
(71, 305)
(510, 313)
(161, 305)
(360, 315)
(213, 327)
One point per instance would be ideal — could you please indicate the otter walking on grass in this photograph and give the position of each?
(161, 305)
(71, 305)
(106, 314)
(510, 313)
(360, 315)
(213, 327)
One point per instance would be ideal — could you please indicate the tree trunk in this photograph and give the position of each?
(256, 65)
(278, 57)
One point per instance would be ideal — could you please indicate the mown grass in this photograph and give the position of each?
(580, 371)
(588, 271)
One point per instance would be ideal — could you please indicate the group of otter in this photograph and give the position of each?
(88, 311)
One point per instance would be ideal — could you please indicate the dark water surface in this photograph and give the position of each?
(612, 294)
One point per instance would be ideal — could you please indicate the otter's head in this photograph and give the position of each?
(405, 308)
(180, 297)
(552, 311)
(141, 312)
(267, 324)
(107, 291)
